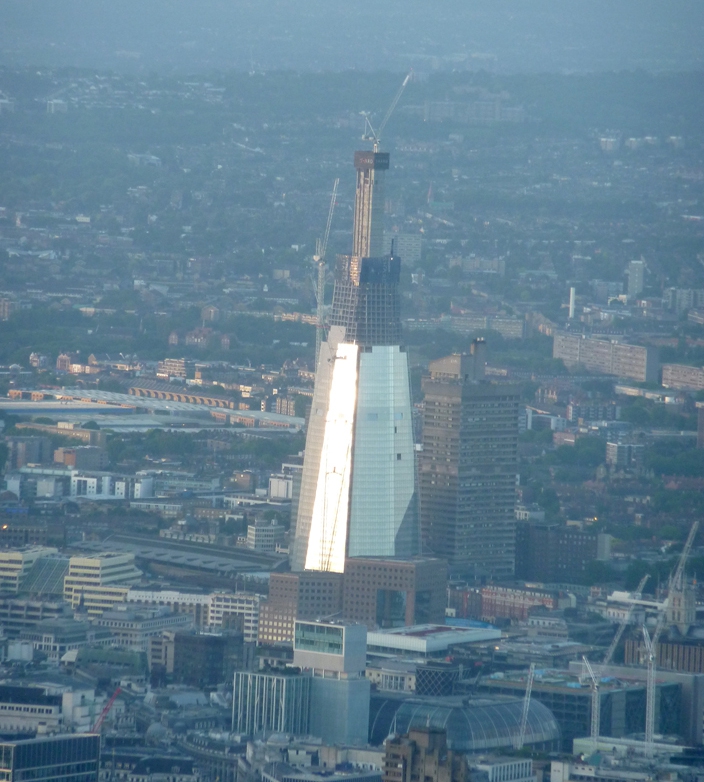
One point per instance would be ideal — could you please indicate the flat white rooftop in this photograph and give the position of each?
(70, 402)
(427, 639)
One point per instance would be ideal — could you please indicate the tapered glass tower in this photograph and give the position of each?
(358, 495)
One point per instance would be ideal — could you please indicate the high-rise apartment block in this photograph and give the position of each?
(683, 377)
(683, 299)
(7, 307)
(636, 278)
(357, 495)
(611, 357)
(593, 411)
(625, 455)
(22, 451)
(468, 466)
(408, 246)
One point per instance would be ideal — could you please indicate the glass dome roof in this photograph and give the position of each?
(472, 724)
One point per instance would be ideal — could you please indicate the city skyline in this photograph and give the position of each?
(391, 517)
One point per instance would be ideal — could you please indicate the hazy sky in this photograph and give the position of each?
(502, 35)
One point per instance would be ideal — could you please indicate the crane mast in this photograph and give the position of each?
(596, 706)
(104, 713)
(624, 623)
(675, 583)
(526, 707)
(651, 644)
(676, 580)
(319, 257)
(650, 694)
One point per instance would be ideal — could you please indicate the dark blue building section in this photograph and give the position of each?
(74, 758)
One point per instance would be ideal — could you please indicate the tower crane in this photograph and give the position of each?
(676, 580)
(651, 644)
(650, 693)
(624, 623)
(319, 258)
(518, 744)
(104, 713)
(596, 706)
(375, 135)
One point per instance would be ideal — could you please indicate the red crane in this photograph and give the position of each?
(104, 713)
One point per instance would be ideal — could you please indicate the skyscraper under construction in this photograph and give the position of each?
(358, 496)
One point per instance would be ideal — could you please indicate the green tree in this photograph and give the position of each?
(597, 573)
(301, 404)
(549, 502)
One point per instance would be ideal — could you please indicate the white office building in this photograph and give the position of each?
(99, 581)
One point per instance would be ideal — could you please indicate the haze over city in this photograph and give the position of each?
(351, 391)
(318, 35)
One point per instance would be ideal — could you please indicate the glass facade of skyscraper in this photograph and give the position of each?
(50, 758)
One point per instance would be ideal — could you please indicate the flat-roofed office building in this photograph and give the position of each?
(45, 759)
(100, 581)
(270, 703)
(325, 647)
(468, 466)
(334, 654)
(15, 565)
(380, 592)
